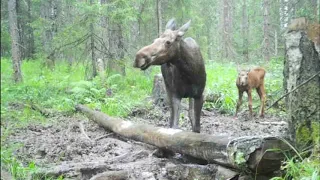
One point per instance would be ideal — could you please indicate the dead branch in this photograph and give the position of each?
(80, 125)
(104, 136)
(76, 42)
(272, 123)
(293, 90)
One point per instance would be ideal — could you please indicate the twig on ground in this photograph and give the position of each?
(80, 125)
(104, 136)
(153, 152)
(272, 123)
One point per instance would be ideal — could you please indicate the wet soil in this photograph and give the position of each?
(60, 147)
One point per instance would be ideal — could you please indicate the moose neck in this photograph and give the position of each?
(183, 59)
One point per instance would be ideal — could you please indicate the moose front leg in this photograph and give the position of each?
(250, 102)
(198, 103)
(191, 111)
(239, 102)
(175, 112)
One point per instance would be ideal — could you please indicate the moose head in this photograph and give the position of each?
(163, 49)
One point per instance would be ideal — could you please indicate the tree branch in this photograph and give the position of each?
(77, 42)
(293, 89)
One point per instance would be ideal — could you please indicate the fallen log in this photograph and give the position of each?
(244, 153)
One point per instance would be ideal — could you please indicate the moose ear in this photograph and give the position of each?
(184, 28)
(171, 24)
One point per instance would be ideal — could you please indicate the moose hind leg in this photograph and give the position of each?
(191, 112)
(198, 103)
(262, 96)
(175, 112)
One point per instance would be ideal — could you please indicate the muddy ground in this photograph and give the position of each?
(60, 147)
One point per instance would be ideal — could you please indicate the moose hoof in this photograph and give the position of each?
(196, 130)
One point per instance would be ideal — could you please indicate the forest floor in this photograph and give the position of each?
(60, 146)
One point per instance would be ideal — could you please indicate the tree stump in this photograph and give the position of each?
(302, 62)
(159, 91)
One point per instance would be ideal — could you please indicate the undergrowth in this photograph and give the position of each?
(302, 165)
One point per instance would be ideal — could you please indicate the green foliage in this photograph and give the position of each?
(221, 83)
(5, 38)
(19, 171)
(295, 167)
(64, 87)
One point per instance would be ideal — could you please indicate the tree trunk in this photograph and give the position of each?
(239, 153)
(266, 24)
(15, 49)
(275, 43)
(159, 91)
(159, 16)
(245, 30)
(228, 51)
(25, 30)
(93, 56)
(301, 62)
(29, 33)
(284, 14)
(49, 12)
(116, 61)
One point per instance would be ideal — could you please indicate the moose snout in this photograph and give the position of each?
(142, 61)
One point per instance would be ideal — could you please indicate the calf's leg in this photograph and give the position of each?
(239, 102)
(262, 95)
(250, 102)
(198, 103)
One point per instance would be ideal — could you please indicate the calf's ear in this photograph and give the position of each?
(184, 28)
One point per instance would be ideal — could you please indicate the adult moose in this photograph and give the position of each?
(182, 68)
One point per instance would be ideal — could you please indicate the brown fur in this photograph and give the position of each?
(248, 80)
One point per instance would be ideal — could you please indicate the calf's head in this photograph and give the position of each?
(163, 49)
(243, 77)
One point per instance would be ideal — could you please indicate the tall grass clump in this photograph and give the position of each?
(221, 84)
(304, 164)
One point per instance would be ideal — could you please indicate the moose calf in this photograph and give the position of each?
(246, 81)
(182, 68)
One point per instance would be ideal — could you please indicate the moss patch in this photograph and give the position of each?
(306, 134)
